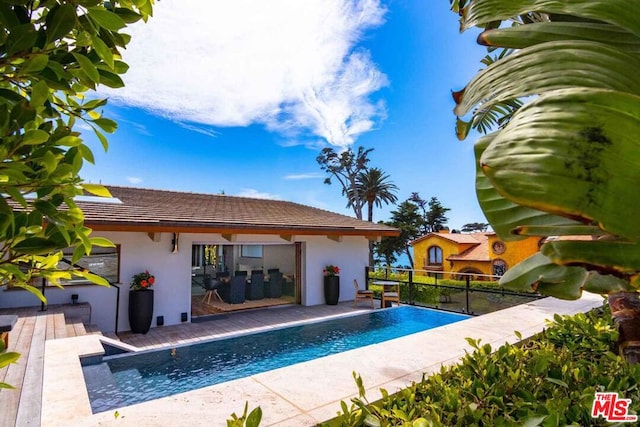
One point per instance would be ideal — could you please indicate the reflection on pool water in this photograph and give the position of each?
(133, 378)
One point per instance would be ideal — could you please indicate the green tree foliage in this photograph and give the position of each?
(385, 251)
(361, 185)
(375, 188)
(434, 218)
(408, 219)
(474, 226)
(345, 167)
(566, 163)
(5, 359)
(51, 54)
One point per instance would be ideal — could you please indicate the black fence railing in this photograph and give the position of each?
(467, 293)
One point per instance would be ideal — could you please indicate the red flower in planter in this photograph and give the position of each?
(331, 270)
(142, 280)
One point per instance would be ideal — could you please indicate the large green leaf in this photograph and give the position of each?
(105, 18)
(617, 12)
(60, 21)
(549, 66)
(34, 246)
(539, 273)
(566, 282)
(574, 153)
(97, 189)
(604, 255)
(521, 36)
(505, 216)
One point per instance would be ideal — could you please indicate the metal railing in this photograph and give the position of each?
(468, 293)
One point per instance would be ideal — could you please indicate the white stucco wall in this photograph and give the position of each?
(172, 291)
(351, 255)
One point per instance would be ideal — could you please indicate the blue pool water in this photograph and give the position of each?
(133, 378)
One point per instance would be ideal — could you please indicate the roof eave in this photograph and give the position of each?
(236, 229)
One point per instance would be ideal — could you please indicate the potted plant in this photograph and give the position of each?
(141, 302)
(331, 284)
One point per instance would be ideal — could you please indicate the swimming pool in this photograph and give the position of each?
(123, 380)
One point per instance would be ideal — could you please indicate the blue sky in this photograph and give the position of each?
(240, 96)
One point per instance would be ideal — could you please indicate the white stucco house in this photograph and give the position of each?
(168, 233)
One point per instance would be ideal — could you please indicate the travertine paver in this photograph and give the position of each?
(303, 394)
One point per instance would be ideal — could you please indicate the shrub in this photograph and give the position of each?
(549, 380)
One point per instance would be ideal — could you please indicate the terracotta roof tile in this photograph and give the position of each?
(471, 238)
(161, 210)
(479, 252)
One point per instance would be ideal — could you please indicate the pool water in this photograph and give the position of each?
(123, 380)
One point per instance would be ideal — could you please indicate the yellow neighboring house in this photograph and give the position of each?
(476, 253)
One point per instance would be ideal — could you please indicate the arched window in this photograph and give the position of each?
(434, 255)
(499, 267)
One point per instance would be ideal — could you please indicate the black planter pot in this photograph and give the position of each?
(140, 310)
(331, 289)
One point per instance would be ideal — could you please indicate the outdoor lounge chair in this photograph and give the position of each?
(362, 294)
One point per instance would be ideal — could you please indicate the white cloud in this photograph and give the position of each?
(291, 65)
(134, 179)
(138, 127)
(199, 129)
(255, 194)
(310, 175)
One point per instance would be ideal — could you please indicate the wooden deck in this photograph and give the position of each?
(21, 406)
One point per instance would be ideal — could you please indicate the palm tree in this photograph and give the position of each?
(567, 162)
(374, 187)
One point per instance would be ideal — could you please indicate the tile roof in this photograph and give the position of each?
(161, 210)
(479, 252)
(472, 238)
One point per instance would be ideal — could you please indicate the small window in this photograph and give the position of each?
(104, 262)
(499, 267)
(435, 255)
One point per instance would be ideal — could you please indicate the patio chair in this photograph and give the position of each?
(390, 293)
(273, 288)
(211, 285)
(255, 286)
(224, 278)
(237, 289)
(362, 294)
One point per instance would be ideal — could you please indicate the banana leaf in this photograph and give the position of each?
(620, 13)
(539, 273)
(550, 66)
(573, 153)
(521, 36)
(506, 217)
(607, 255)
